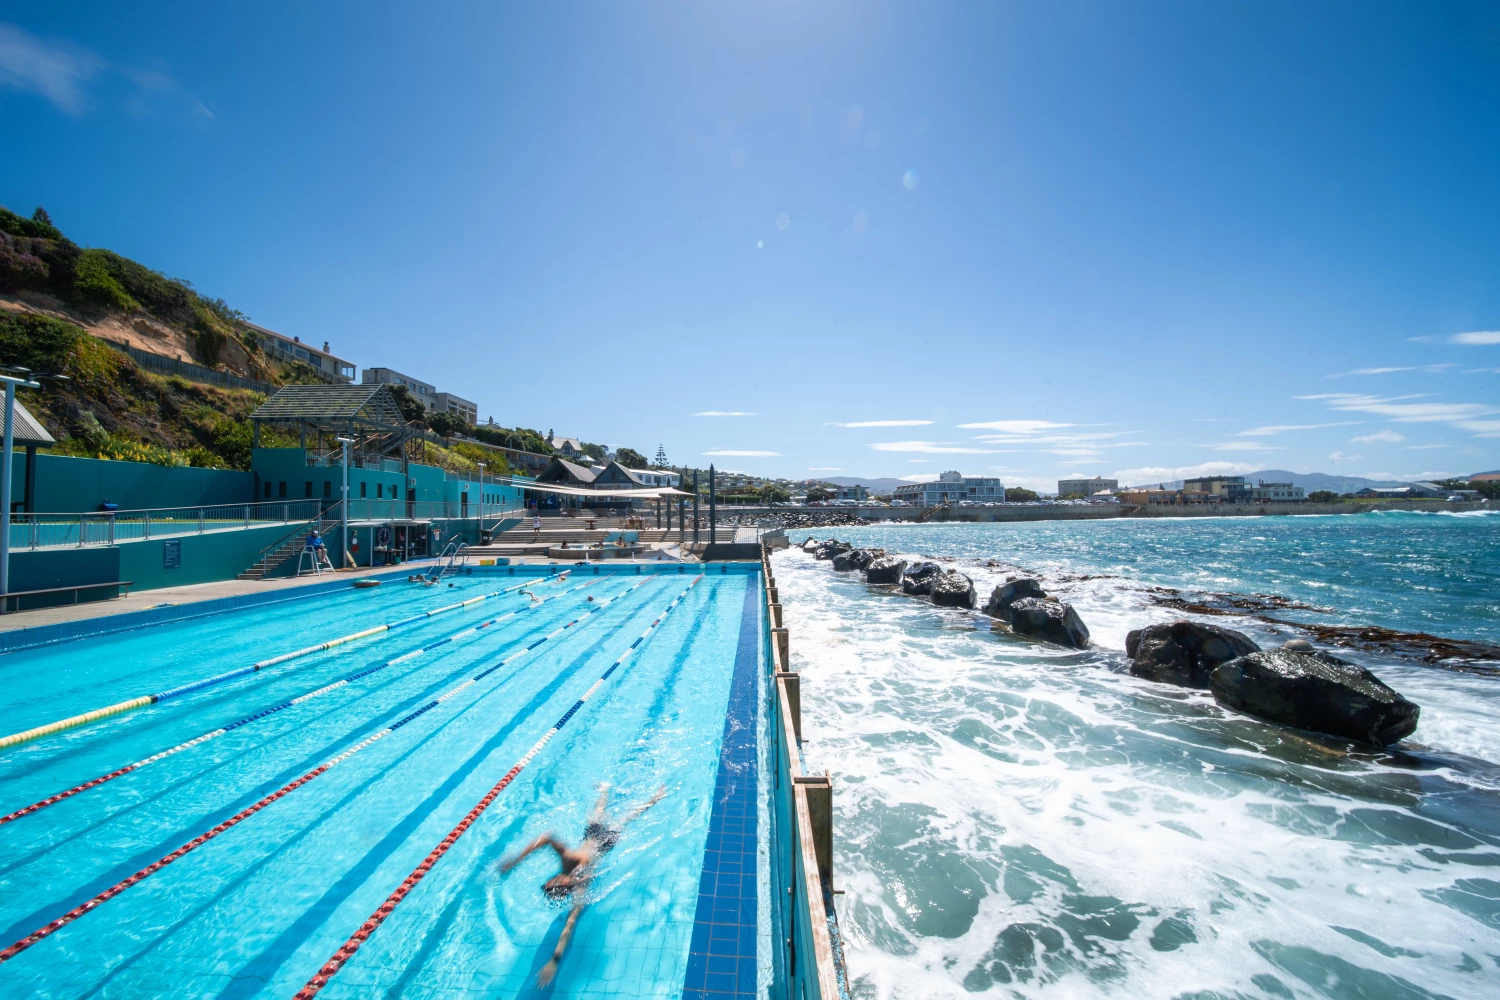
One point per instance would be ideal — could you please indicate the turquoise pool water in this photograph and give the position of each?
(258, 909)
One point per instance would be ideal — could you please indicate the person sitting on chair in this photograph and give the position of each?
(578, 866)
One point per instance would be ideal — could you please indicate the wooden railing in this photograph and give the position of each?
(811, 963)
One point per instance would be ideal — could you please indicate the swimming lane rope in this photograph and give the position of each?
(239, 817)
(266, 712)
(119, 708)
(359, 937)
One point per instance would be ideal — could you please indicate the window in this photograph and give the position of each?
(268, 489)
(307, 489)
(378, 488)
(281, 490)
(327, 488)
(361, 491)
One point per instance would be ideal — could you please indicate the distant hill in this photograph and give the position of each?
(885, 485)
(1309, 481)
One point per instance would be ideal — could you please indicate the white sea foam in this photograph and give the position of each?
(1028, 821)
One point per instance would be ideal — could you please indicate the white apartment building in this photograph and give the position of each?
(1088, 487)
(440, 402)
(328, 365)
(952, 487)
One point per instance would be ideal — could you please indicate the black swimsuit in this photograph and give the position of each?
(604, 837)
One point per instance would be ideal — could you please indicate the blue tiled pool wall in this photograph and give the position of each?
(724, 954)
(42, 635)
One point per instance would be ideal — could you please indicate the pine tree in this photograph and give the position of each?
(40, 215)
(661, 457)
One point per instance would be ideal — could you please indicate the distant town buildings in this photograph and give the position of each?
(426, 392)
(951, 487)
(1087, 487)
(1228, 489)
(1276, 493)
(328, 365)
(1161, 495)
(859, 493)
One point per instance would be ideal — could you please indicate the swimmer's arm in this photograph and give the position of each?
(656, 797)
(550, 969)
(545, 840)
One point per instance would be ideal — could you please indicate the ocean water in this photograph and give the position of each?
(1024, 821)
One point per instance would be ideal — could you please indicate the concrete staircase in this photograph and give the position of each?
(275, 558)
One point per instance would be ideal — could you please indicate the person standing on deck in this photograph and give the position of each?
(578, 866)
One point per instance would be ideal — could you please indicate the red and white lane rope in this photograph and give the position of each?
(130, 704)
(239, 817)
(358, 938)
(272, 710)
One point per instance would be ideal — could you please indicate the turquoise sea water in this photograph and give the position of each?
(257, 910)
(1021, 820)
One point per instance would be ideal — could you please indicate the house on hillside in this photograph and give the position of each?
(569, 448)
(329, 366)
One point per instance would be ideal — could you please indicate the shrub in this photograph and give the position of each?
(94, 284)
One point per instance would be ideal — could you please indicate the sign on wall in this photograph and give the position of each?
(171, 553)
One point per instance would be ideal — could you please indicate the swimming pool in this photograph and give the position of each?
(314, 789)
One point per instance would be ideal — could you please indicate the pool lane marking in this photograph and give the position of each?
(358, 938)
(239, 817)
(266, 712)
(73, 722)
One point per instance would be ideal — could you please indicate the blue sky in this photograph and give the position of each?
(1024, 239)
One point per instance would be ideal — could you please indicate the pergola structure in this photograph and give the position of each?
(366, 414)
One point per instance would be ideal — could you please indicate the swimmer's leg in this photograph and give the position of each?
(550, 969)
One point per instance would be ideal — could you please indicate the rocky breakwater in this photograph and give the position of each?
(886, 569)
(1296, 685)
(1025, 606)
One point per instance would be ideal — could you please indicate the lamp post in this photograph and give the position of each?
(344, 527)
(12, 375)
(481, 495)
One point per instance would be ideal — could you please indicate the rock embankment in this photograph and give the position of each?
(1296, 685)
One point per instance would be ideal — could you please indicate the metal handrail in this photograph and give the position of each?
(331, 514)
(108, 527)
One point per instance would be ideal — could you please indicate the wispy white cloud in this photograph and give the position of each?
(1481, 428)
(1244, 446)
(933, 448)
(1408, 413)
(1482, 371)
(736, 453)
(723, 413)
(920, 477)
(1022, 427)
(1427, 447)
(1437, 369)
(1286, 428)
(1476, 337)
(882, 423)
(56, 71)
(1339, 457)
(1379, 437)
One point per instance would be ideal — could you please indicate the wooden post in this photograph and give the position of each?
(775, 615)
(819, 791)
(793, 684)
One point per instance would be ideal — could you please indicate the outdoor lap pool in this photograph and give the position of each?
(259, 907)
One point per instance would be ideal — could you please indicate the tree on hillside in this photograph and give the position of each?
(819, 493)
(410, 406)
(594, 451)
(774, 493)
(1019, 494)
(448, 424)
(630, 458)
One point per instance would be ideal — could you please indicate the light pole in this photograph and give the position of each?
(481, 495)
(344, 528)
(12, 375)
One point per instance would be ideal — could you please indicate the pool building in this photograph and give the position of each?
(315, 793)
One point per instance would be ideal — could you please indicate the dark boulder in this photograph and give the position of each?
(831, 548)
(1183, 652)
(886, 569)
(811, 544)
(919, 576)
(855, 559)
(1049, 620)
(952, 590)
(1003, 596)
(1315, 691)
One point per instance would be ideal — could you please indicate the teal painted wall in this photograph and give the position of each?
(63, 568)
(287, 467)
(66, 485)
(218, 555)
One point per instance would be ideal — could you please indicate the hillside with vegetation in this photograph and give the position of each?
(62, 306)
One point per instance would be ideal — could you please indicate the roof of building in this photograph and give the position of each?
(27, 430)
(558, 441)
(298, 341)
(371, 404)
(560, 470)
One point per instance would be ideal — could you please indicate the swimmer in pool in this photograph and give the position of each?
(578, 866)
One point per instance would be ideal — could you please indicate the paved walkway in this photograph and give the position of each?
(142, 599)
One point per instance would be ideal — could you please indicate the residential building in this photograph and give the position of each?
(447, 402)
(859, 493)
(655, 477)
(424, 391)
(1087, 487)
(329, 366)
(569, 448)
(1264, 492)
(1485, 477)
(1229, 489)
(952, 487)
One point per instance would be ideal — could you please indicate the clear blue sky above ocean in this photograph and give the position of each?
(1023, 239)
